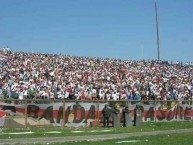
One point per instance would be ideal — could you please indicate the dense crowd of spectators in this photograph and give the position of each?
(47, 76)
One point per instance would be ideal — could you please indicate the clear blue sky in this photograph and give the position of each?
(123, 29)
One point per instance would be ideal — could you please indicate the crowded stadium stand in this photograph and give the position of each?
(48, 76)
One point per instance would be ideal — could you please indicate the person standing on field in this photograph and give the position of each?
(106, 115)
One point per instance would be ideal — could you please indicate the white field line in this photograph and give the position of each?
(56, 132)
(79, 131)
(53, 132)
(129, 141)
(17, 133)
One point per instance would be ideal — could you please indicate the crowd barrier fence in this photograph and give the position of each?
(78, 113)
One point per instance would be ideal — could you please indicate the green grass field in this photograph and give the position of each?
(43, 132)
(167, 139)
(172, 139)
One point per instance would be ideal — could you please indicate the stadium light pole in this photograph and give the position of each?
(157, 29)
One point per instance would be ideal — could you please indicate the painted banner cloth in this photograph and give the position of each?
(82, 113)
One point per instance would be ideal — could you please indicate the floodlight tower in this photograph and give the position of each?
(157, 29)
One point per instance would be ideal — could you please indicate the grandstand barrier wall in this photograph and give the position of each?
(77, 113)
